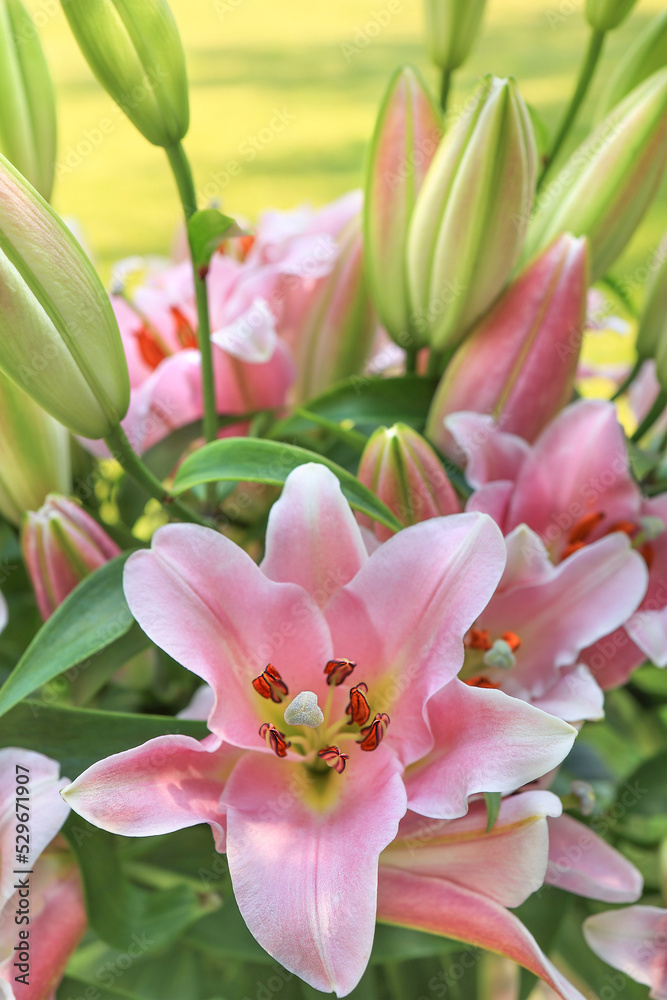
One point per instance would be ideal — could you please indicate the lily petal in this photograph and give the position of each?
(305, 878)
(167, 784)
(439, 907)
(488, 742)
(313, 538)
(633, 940)
(581, 862)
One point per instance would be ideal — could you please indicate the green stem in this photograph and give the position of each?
(411, 360)
(186, 189)
(653, 414)
(585, 76)
(122, 451)
(624, 386)
(445, 86)
(435, 362)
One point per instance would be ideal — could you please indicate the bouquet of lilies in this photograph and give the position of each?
(334, 601)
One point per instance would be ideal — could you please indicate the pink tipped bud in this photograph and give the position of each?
(62, 544)
(519, 364)
(405, 473)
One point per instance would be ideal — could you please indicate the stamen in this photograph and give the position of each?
(571, 549)
(334, 758)
(358, 708)
(338, 671)
(478, 638)
(185, 335)
(585, 526)
(274, 739)
(500, 655)
(626, 527)
(374, 734)
(270, 685)
(304, 711)
(512, 640)
(481, 682)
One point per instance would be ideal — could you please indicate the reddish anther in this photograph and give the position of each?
(626, 527)
(338, 671)
(151, 351)
(572, 548)
(358, 708)
(271, 685)
(275, 739)
(374, 734)
(479, 638)
(584, 527)
(512, 640)
(334, 758)
(481, 682)
(185, 335)
(648, 553)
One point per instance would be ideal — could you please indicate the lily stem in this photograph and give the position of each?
(122, 451)
(180, 167)
(583, 83)
(445, 87)
(410, 360)
(653, 414)
(625, 385)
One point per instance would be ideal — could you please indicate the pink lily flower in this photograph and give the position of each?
(61, 545)
(57, 911)
(633, 940)
(574, 489)
(336, 708)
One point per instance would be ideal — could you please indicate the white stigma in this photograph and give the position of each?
(304, 711)
(652, 527)
(500, 655)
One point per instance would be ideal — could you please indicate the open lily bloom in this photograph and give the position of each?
(57, 911)
(633, 940)
(337, 707)
(529, 638)
(574, 489)
(258, 288)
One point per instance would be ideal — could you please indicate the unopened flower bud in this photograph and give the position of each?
(61, 545)
(402, 469)
(27, 103)
(469, 222)
(34, 453)
(605, 15)
(60, 340)
(652, 332)
(134, 49)
(451, 29)
(643, 58)
(603, 191)
(519, 364)
(407, 135)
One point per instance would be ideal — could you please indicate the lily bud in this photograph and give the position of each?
(644, 57)
(520, 363)
(604, 15)
(34, 453)
(134, 49)
(61, 545)
(28, 116)
(60, 339)
(603, 191)
(652, 334)
(451, 29)
(468, 224)
(339, 324)
(407, 135)
(402, 469)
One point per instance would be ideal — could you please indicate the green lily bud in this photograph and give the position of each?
(468, 224)
(603, 191)
(652, 334)
(604, 15)
(60, 341)
(451, 29)
(645, 57)
(134, 49)
(27, 104)
(34, 453)
(407, 136)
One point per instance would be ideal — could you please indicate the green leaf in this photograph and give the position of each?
(79, 737)
(259, 461)
(493, 800)
(90, 676)
(92, 617)
(71, 987)
(206, 230)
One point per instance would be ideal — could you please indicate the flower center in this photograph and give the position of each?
(641, 533)
(312, 730)
(486, 651)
